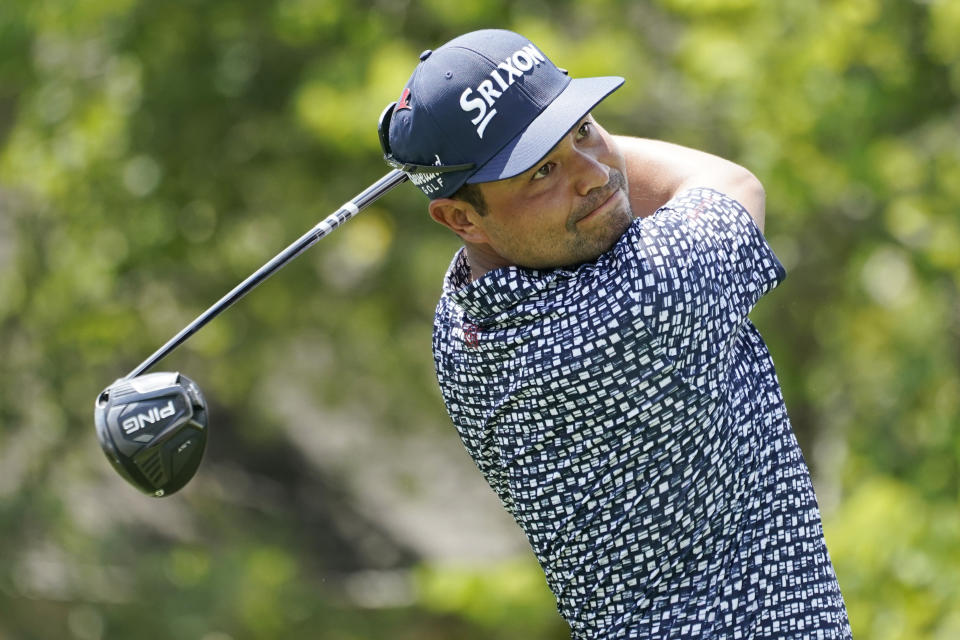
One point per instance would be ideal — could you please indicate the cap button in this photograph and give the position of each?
(425, 54)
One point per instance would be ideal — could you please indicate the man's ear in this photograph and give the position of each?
(460, 217)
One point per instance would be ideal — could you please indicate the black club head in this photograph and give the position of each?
(153, 429)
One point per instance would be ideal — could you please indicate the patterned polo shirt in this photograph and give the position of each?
(628, 415)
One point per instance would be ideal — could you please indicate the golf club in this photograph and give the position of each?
(153, 427)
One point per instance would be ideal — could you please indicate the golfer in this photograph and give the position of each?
(594, 352)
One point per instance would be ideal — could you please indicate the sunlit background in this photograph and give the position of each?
(153, 153)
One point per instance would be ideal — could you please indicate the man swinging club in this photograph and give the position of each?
(594, 353)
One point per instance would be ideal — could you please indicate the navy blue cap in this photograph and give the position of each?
(485, 106)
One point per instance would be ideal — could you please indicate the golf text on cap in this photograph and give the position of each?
(516, 64)
(152, 415)
(422, 179)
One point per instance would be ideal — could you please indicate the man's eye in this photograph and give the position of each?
(584, 130)
(543, 171)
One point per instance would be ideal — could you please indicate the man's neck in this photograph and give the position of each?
(482, 259)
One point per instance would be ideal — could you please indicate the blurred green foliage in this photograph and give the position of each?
(154, 153)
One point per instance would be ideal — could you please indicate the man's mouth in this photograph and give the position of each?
(602, 206)
(602, 201)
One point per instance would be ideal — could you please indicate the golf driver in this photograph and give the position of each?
(153, 427)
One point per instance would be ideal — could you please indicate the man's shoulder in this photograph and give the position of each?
(697, 214)
(696, 201)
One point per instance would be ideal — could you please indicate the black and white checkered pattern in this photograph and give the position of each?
(628, 415)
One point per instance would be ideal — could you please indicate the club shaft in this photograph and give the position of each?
(307, 240)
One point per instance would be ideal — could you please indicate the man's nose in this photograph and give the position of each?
(591, 173)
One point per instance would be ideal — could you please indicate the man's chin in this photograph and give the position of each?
(616, 225)
(590, 249)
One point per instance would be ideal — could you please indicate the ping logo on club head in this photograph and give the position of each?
(152, 415)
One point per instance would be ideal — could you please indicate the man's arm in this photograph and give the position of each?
(657, 171)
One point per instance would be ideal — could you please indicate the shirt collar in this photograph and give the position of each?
(497, 291)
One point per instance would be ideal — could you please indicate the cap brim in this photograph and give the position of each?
(543, 134)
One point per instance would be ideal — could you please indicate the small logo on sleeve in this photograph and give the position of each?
(470, 337)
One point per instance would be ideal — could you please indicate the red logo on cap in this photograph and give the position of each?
(404, 102)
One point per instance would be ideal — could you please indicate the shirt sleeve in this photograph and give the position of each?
(702, 266)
